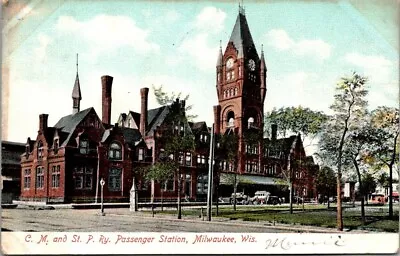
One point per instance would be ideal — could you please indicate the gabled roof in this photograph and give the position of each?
(136, 117)
(284, 144)
(132, 136)
(155, 117)
(241, 36)
(68, 124)
(198, 126)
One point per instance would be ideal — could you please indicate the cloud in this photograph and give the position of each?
(301, 88)
(210, 19)
(200, 46)
(377, 67)
(109, 32)
(382, 77)
(280, 39)
(203, 55)
(41, 51)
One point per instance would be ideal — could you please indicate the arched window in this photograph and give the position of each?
(250, 122)
(236, 91)
(231, 119)
(115, 151)
(40, 150)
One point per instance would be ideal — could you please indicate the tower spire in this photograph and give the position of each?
(77, 63)
(76, 92)
(219, 61)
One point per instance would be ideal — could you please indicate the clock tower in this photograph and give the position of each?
(241, 89)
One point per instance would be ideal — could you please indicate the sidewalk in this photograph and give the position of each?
(227, 221)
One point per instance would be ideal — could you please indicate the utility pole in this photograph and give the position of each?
(210, 174)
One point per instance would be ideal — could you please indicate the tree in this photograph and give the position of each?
(384, 153)
(296, 120)
(368, 185)
(355, 147)
(326, 182)
(227, 153)
(176, 138)
(161, 172)
(163, 98)
(348, 107)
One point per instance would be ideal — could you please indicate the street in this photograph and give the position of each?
(116, 220)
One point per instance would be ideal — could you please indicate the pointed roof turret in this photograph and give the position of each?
(241, 36)
(76, 92)
(219, 61)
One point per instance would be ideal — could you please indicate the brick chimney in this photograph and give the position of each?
(217, 121)
(274, 130)
(43, 122)
(144, 92)
(106, 86)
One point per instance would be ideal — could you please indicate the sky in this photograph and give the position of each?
(308, 47)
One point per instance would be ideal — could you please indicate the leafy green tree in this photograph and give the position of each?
(368, 184)
(326, 182)
(227, 150)
(161, 172)
(384, 152)
(176, 138)
(296, 120)
(164, 98)
(356, 145)
(349, 107)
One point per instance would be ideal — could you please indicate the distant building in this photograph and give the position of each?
(10, 170)
(66, 162)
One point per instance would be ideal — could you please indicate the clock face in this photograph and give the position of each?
(229, 63)
(252, 65)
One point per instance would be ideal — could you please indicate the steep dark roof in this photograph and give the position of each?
(132, 136)
(284, 144)
(67, 124)
(136, 117)
(198, 126)
(155, 117)
(241, 36)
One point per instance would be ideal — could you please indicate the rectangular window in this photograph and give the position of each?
(88, 178)
(180, 159)
(55, 176)
(114, 179)
(169, 185)
(40, 177)
(27, 178)
(202, 184)
(83, 176)
(188, 159)
(83, 147)
(141, 154)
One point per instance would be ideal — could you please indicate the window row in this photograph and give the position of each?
(251, 149)
(55, 177)
(252, 166)
(231, 92)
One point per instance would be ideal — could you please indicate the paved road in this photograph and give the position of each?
(116, 220)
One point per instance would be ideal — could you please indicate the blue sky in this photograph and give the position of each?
(308, 46)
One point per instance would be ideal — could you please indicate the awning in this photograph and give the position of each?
(228, 179)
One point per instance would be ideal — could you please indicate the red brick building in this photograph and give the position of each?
(66, 162)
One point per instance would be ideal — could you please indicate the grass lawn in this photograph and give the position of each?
(313, 215)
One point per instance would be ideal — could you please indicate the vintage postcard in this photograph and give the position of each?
(223, 127)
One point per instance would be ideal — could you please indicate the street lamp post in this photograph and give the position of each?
(102, 182)
(210, 175)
